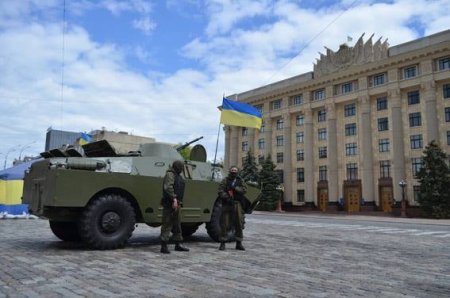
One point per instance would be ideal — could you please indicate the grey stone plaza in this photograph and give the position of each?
(288, 255)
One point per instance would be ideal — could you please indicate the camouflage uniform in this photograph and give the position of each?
(173, 188)
(231, 192)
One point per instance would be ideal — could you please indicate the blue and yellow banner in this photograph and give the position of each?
(85, 138)
(240, 114)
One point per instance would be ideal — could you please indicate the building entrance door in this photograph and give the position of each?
(386, 198)
(352, 199)
(323, 199)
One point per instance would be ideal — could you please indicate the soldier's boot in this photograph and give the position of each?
(179, 247)
(164, 248)
(222, 246)
(239, 245)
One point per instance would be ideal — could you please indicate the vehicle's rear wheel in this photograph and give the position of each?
(107, 222)
(187, 229)
(65, 230)
(213, 227)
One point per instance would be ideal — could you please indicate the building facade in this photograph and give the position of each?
(345, 135)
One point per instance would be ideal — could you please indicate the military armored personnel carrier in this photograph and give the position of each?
(99, 196)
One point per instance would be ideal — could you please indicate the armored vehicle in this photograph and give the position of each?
(99, 196)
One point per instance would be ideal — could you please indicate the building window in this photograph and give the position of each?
(383, 145)
(377, 80)
(323, 152)
(319, 94)
(297, 100)
(323, 173)
(383, 124)
(351, 149)
(352, 171)
(385, 169)
(276, 104)
(321, 116)
(346, 88)
(322, 133)
(260, 159)
(413, 97)
(259, 108)
(447, 114)
(244, 146)
(299, 137)
(416, 141)
(299, 120)
(444, 63)
(410, 72)
(381, 103)
(261, 144)
(300, 175)
(416, 164)
(279, 157)
(300, 155)
(280, 124)
(416, 191)
(300, 195)
(415, 119)
(349, 110)
(446, 90)
(280, 175)
(244, 131)
(448, 137)
(280, 141)
(350, 129)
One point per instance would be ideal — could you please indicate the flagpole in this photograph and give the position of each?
(215, 154)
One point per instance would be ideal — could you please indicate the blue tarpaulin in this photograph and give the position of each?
(16, 172)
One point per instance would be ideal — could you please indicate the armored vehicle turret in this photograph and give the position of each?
(98, 196)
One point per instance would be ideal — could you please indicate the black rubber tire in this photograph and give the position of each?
(107, 222)
(213, 227)
(187, 229)
(65, 230)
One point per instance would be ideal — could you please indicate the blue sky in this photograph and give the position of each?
(160, 68)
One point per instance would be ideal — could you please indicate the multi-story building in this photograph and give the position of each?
(347, 133)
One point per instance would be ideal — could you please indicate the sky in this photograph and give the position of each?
(160, 68)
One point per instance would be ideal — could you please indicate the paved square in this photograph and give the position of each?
(286, 256)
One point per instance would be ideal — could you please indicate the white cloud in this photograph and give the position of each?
(146, 25)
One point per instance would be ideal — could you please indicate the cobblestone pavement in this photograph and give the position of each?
(286, 256)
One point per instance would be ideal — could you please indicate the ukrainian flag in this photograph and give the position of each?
(240, 114)
(85, 138)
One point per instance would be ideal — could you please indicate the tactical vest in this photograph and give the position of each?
(178, 187)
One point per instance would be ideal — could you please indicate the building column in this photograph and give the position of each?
(429, 93)
(228, 148)
(398, 161)
(309, 156)
(332, 177)
(287, 157)
(234, 145)
(268, 137)
(368, 191)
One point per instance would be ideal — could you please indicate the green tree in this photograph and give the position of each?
(186, 153)
(268, 181)
(434, 178)
(249, 168)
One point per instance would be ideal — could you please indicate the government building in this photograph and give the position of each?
(346, 134)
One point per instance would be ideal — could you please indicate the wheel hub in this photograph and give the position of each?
(110, 222)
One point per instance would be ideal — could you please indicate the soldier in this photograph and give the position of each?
(231, 192)
(173, 190)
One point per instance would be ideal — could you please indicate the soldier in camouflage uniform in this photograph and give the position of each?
(231, 191)
(173, 190)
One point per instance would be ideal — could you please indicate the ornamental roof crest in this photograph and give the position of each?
(360, 53)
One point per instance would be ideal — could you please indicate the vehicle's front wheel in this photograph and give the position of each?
(65, 230)
(213, 227)
(107, 222)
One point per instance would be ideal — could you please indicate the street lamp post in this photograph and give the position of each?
(402, 184)
(23, 148)
(6, 156)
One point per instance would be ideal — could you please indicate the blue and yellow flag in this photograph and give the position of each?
(240, 114)
(85, 138)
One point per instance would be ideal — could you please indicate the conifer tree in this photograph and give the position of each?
(249, 168)
(268, 182)
(434, 178)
